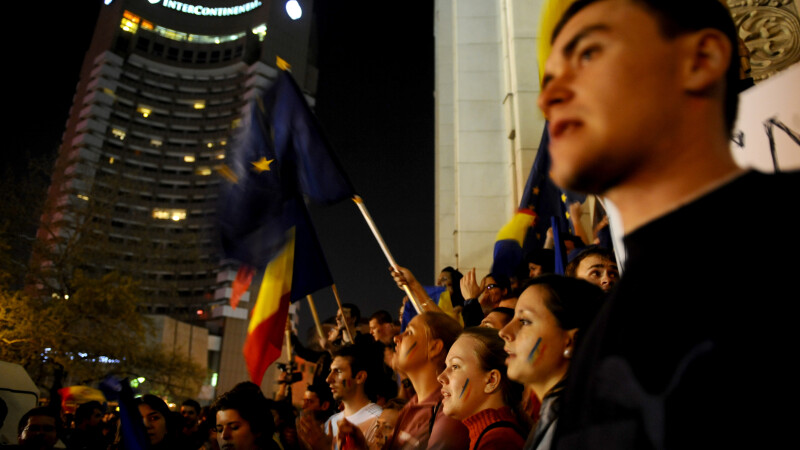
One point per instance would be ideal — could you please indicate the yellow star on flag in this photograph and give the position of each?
(564, 198)
(262, 164)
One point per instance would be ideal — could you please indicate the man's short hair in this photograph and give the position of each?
(355, 313)
(382, 317)
(676, 17)
(365, 355)
(192, 404)
(248, 400)
(85, 410)
(39, 411)
(571, 270)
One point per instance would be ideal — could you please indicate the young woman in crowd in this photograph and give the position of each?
(477, 391)
(541, 340)
(161, 424)
(421, 352)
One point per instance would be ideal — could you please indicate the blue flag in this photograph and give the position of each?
(279, 158)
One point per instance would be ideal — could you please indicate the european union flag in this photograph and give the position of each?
(279, 157)
(545, 198)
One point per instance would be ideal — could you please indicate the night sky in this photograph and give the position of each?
(374, 101)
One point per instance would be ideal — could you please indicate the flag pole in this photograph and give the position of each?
(363, 208)
(288, 339)
(344, 318)
(314, 315)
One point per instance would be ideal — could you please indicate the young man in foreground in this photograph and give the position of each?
(641, 96)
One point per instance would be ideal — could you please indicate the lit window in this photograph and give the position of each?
(199, 104)
(221, 156)
(169, 214)
(188, 158)
(223, 142)
(130, 22)
(236, 123)
(203, 171)
(111, 160)
(210, 144)
(83, 197)
(109, 92)
(147, 25)
(118, 133)
(156, 142)
(144, 110)
(260, 31)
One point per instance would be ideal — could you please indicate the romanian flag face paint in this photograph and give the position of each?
(465, 390)
(268, 317)
(411, 350)
(535, 351)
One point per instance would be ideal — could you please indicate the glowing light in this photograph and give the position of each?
(83, 197)
(145, 111)
(294, 10)
(199, 312)
(188, 158)
(210, 144)
(199, 104)
(169, 214)
(205, 171)
(111, 160)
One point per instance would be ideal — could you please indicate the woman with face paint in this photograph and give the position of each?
(477, 391)
(421, 351)
(541, 340)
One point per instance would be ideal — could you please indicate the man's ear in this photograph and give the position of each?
(361, 377)
(708, 54)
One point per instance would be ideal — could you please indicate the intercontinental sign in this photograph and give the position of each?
(200, 10)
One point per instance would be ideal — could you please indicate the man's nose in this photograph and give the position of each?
(555, 91)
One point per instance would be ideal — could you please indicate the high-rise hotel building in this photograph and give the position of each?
(160, 95)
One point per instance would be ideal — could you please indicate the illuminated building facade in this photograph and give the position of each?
(160, 95)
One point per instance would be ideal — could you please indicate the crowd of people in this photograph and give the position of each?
(434, 384)
(641, 98)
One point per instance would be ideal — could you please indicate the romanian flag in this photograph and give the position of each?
(543, 205)
(280, 158)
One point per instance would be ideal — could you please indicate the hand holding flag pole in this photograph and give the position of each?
(363, 208)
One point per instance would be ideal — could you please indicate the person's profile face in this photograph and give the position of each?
(311, 401)
(40, 433)
(234, 432)
(445, 280)
(535, 342)
(612, 83)
(341, 380)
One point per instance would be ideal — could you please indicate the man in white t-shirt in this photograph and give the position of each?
(353, 380)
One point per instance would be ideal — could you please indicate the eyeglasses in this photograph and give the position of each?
(492, 286)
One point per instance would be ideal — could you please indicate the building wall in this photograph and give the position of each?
(487, 124)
